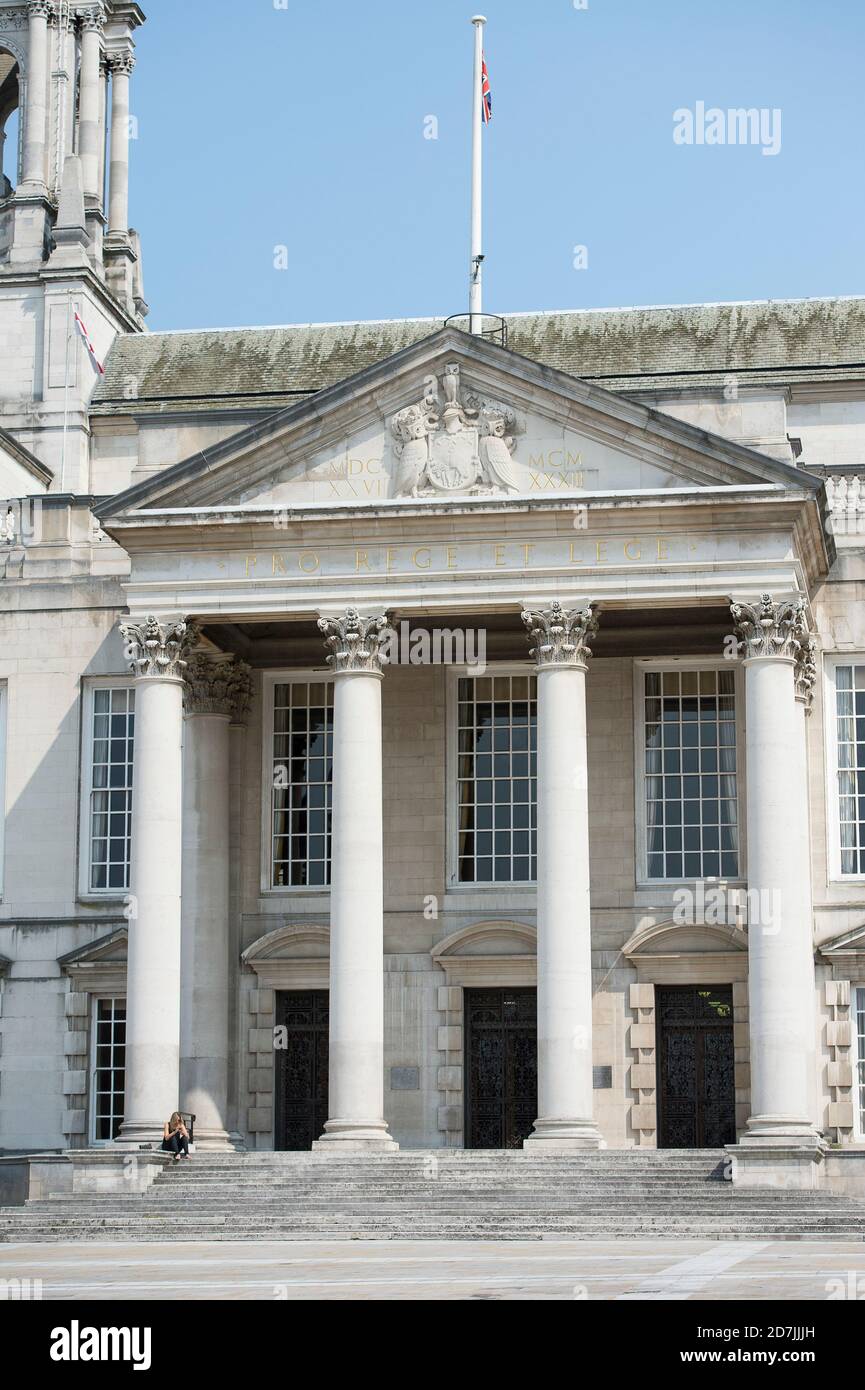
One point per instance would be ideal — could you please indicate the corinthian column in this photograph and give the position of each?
(217, 694)
(118, 251)
(565, 1095)
(89, 116)
(156, 652)
(778, 662)
(356, 1057)
(36, 109)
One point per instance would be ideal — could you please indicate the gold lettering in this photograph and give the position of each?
(304, 560)
(601, 552)
(527, 551)
(360, 558)
(451, 552)
(628, 546)
(417, 563)
(499, 553)
(663, 553)
(537, 463)
(372, 487)
(334, 487)
(574, 460)
(250, 560)
(390, 556)
(552, 455)
(536, 481)
(278, 564)
(375, 472)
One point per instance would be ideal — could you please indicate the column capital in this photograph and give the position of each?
(217, 683)
(767, 628)
(561, 635)
(157, 649)
(92, 19)
(40, 9)
(354, 642)
(122, 63)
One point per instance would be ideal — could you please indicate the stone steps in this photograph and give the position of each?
(671, 1195)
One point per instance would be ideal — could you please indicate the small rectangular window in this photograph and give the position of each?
(497, 779)
(691, 774)
(302, 774)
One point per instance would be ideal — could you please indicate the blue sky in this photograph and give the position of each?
(303, 127)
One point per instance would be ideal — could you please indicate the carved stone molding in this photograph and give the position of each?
(560, 635)
(157, 649)
(805, 672)
(461, 443)
(217, 684)
(770, 629)
(121, 64)
(14, 19)
(354, 642)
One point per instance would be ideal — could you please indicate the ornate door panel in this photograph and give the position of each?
(501, 1067)
(301, 1068)
(696, 1086)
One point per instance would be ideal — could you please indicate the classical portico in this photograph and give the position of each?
(245, 569)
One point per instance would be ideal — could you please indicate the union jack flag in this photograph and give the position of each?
(486, 95)
(88, 344)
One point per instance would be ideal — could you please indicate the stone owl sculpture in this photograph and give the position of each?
(411, 429)
(496, 449)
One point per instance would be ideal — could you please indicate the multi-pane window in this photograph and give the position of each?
(850, 714)
(302, 765)
(109, 1068)
(859, 1087)
(111, 737)
(691, 775)
(497, 779)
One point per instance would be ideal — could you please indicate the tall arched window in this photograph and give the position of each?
(9, 142)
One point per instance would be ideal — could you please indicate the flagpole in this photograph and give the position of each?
(476, 274)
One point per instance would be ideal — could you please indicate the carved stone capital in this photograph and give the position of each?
(217, 684)
(121, 64)
(353, 642)
(561, 635)
(805, 672)
(91, 20)
(157, 649)
(41, 9)
(768, 628)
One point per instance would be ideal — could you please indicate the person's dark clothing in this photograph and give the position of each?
(176, 1143)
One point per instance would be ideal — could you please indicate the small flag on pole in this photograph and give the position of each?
(90, 348)
(487, 95)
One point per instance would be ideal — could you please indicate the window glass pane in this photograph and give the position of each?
(302, 767)
(850, 765)
(496, 789)
(109, 1080)
(686, 805)
(110, 747)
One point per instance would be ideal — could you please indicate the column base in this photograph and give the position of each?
(551, 1135)
(356, 1136)
(216, 1141)
(789, 1165)
(769, 1130)
(137, 1134)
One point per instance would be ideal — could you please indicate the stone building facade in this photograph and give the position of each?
(411, 737)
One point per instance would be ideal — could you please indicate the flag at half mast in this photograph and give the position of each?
(486, 95)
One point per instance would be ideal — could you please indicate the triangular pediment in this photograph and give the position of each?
(21, 473)
(455, 417)
(849, 945)
(107, 950)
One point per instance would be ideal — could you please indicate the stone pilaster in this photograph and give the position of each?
(356, 1055)
(91, 131)
(118, 251)
(157, 653)
(560, 639)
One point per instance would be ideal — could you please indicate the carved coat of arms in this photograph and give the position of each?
(453, 445)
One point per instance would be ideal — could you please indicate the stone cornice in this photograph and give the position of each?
(353, 642)
(561, 636)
